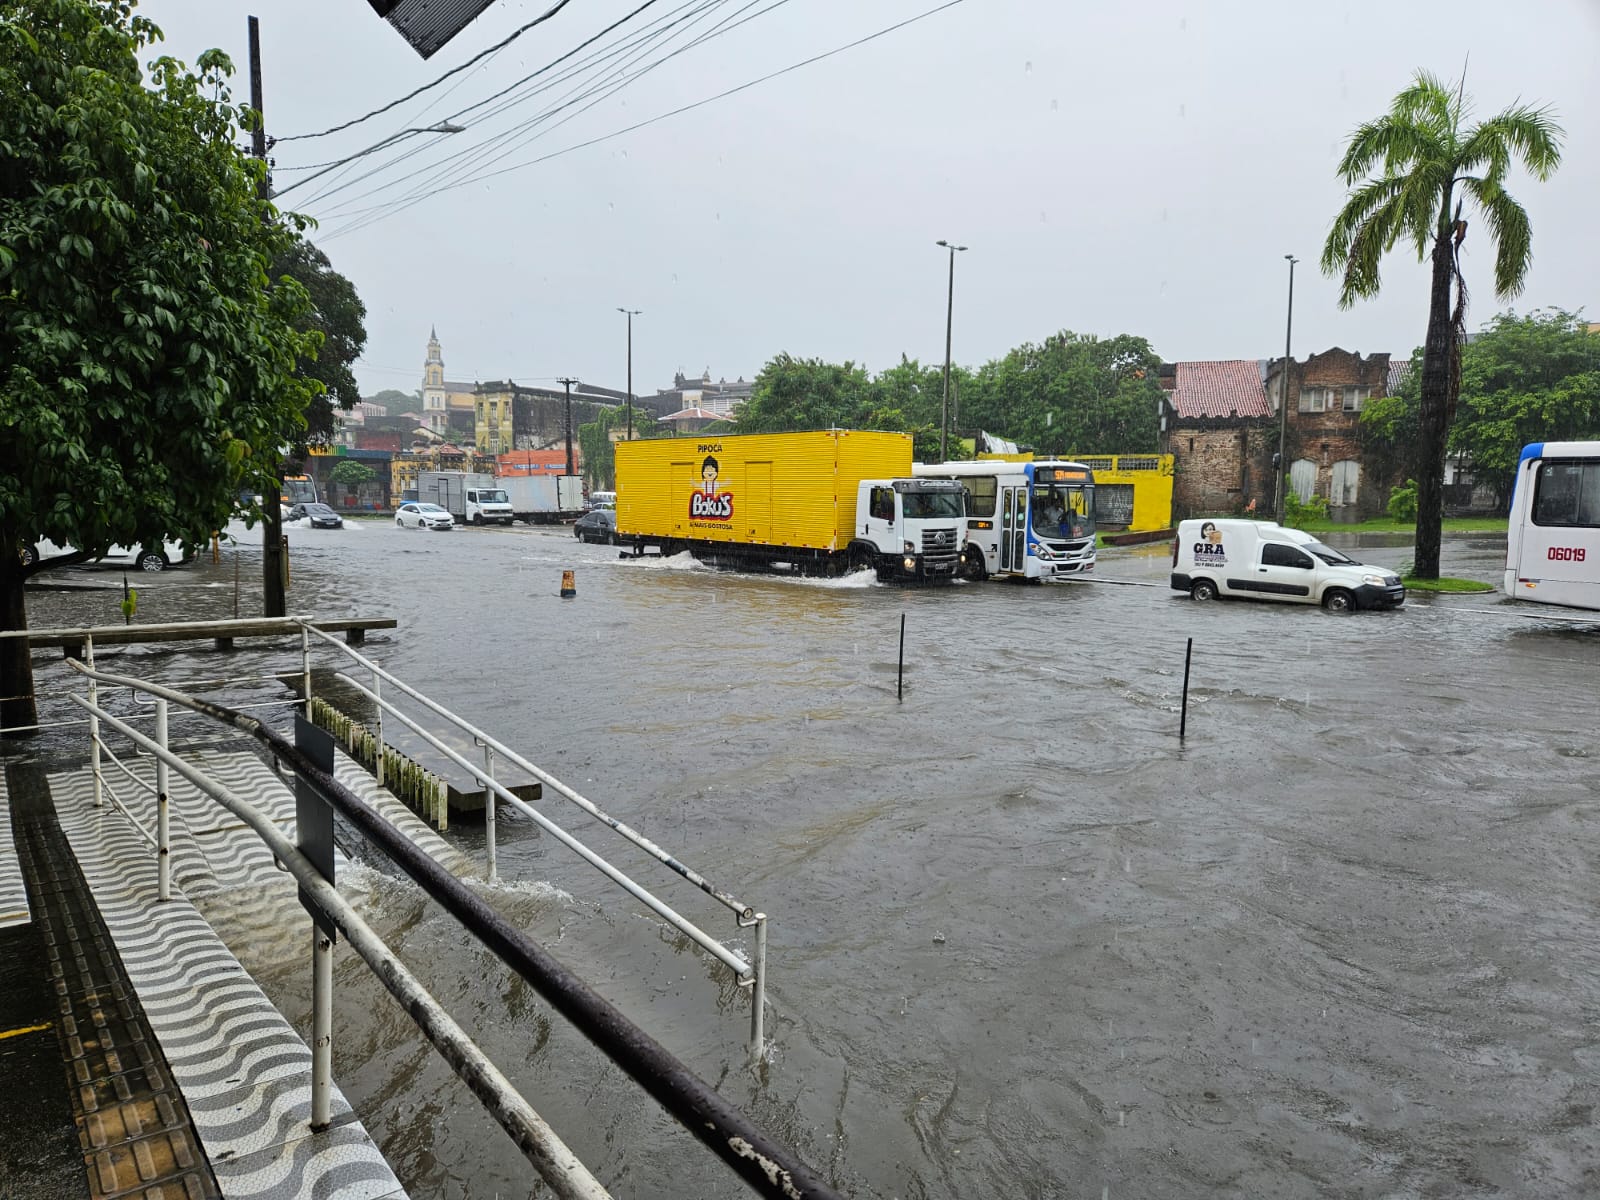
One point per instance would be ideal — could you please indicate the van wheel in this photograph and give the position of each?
(1338, 600)
(1203, 589)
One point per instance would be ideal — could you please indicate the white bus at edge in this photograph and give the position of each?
(1005, 503)
(1553, 542)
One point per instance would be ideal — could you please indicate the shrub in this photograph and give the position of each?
(1403, 502)
(1298, 512)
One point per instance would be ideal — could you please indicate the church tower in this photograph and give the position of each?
(433, 395)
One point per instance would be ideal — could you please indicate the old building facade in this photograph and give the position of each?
(1226, 419)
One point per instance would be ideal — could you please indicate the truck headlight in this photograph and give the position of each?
(910, 563)
(1374, 580)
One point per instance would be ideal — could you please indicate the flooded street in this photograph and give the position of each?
(1340, 941)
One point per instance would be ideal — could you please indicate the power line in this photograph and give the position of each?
(643, 42)
(500, 45)
(384, 211)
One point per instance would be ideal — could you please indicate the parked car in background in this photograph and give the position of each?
(596, 525)
(602, 500)
(320, 516)
(151, 558)
(417, 514)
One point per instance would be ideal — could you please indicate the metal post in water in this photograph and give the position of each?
(305, 665)
(1183, 721)
(377, 700)
(488, 811)
(321, 1029)
(163, 841)
(758, 993)
(900, 675)
(94, 724)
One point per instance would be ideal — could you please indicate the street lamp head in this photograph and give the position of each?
(941, 242)
(1292, 259)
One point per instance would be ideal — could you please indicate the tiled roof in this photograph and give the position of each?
(1230, 387)
(1399, 370)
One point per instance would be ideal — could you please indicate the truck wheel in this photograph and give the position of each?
(861, 560)
(1203, 589)
(972, 566)
(477, 518)
(1338, 600)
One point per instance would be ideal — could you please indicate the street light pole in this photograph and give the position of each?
(949, 318)
(1281, 486)
(631, 314)
(567, 383)
(273, 601)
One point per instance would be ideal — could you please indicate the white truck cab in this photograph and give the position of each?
(909, 529)
(1262, 560)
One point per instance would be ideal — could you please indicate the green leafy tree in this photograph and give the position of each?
(351, 472)
(396, 402)
(1528, 378)
(147, 367)
(1072, 393)
(805, 393)
(1411, 173)
(339, 316)
(599, 452)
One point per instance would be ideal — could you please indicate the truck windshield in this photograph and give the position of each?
(492, 497)
(1329, 555)
(1063, 510)
(935, 504)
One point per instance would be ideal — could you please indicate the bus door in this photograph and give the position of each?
(1013, 528)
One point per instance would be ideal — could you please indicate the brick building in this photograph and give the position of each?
(1224, 424)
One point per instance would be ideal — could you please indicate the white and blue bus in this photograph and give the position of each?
(1553, 542)
(1025, 520)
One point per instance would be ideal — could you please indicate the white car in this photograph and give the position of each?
(416, 514)
(169, 554)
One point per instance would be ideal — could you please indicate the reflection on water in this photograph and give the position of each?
(1024, 943)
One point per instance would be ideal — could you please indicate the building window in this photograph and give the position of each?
(1314, 400)
(1355, 397)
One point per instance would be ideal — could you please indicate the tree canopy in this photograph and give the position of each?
(339, 316)
(1411, 174)
(1524, 378)
(147, 361)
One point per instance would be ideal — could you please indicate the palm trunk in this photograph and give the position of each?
(1434, 413)
(17, 707)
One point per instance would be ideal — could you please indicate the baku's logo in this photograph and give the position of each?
(706, 503)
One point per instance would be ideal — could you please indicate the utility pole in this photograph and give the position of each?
(1281, 485)
(631, 314)
(949, 318)
(567, 383)
(273, 603)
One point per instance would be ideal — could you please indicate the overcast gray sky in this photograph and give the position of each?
(1137, 168)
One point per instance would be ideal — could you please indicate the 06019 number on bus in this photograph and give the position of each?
(1566, 554)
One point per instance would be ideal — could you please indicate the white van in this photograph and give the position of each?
(1262, 560)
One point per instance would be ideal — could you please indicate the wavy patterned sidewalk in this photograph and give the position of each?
(243, 1070)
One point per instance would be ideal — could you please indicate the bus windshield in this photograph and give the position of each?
(935, 504)
(1064, 510)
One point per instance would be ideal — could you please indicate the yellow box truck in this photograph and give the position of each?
(818, 503)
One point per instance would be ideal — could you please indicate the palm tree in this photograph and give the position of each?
(1428, 165)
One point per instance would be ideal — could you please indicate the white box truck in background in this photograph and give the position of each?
(471, 498)
(543, 499)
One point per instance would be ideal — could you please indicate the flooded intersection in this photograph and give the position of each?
(1340, 941)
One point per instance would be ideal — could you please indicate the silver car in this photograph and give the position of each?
(417, 514)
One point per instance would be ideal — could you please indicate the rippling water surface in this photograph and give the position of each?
(1024, 942)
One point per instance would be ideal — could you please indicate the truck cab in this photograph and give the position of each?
(909, 529)
(487, 506)
(1262, 560)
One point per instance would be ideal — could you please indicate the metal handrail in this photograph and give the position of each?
(556, 1163)
(732, 959)
(767, 1166)
(744, 911)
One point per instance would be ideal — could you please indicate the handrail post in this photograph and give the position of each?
(163, 841)
(488, 811)
(377, 698)
(758, 993)
(305, 665)
(321, 1029)
(94, 724)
